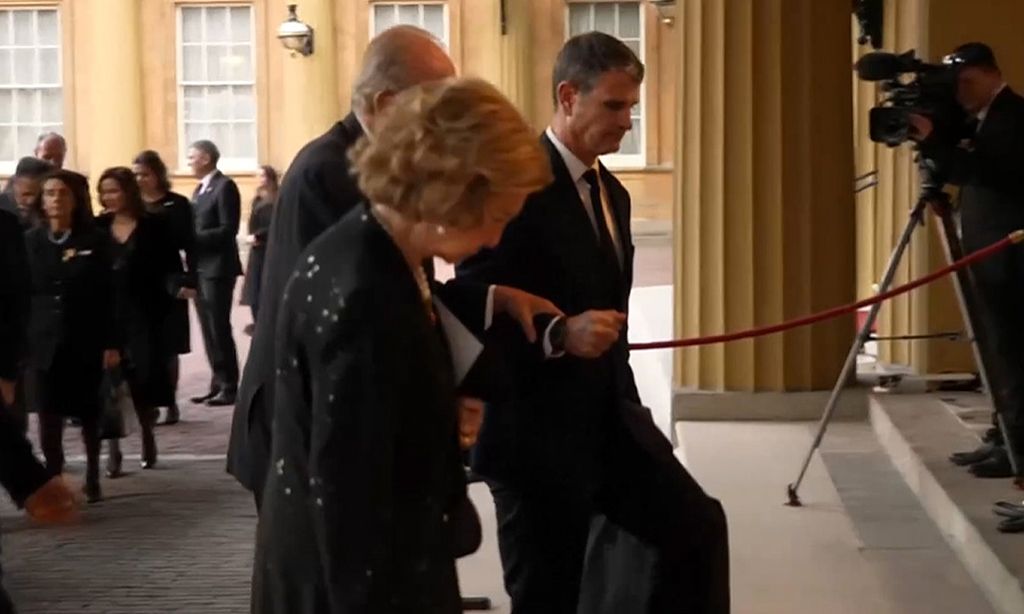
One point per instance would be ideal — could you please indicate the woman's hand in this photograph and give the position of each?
(111, 359)
(188, 294)
(53, 503)
(471, 416)
(523, 307)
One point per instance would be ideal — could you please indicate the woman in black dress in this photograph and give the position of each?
(73, 336)
(260, 213)
(367, 469)
(175, 212)
(146, 281)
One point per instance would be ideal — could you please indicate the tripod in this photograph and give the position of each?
(931, 195)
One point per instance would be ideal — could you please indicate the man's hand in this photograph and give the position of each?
(471, 416)
(591, 333)
(189, 294)
(921, 127)
(53, 503)
(523, 307)
(7, 390)
(111, 359)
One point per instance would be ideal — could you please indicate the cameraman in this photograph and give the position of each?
(989, 166)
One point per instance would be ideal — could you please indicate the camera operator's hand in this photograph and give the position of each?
(921, 127)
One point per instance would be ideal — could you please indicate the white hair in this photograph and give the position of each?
(387, 64)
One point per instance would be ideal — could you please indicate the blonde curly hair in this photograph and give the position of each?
(443, 147)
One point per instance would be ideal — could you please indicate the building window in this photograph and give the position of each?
(31, 97)
(431, 16)
(623, 20)
(217, 82)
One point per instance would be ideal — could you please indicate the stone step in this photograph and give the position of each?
(918, 432)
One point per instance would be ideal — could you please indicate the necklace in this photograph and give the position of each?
(58, 241)
(418, 273)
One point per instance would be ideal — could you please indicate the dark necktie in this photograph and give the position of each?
(197, 191)
(604, 235)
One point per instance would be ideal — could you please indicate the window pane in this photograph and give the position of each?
(216, 63)
(241, 24)
(244, 140)
(6, 106)
(27, 136)
(220, 134)
(24, 28)
(49, 66)
(217, 27)
(24, 66)
(218, 103)
(629, 20)
(579, 19)
(192, 64)
(191, 25)
(383, 17)
(6, 70)
(8, 143)
(25, 107)
(6, 36)
(409, 14)
(194, 106)
(49, 33)
(631, 142)
(52, 111)
(635, 46)
(240, 63)
(433, 21)
(604, 18)
(196, 132)
(244, 102)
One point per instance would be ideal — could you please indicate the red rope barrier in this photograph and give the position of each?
(986, 252)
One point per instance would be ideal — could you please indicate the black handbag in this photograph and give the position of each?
(117, 416)
(467, 533)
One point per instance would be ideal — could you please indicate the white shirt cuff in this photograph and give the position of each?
(549, 352)
(489, 309)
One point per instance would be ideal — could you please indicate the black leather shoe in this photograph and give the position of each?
(963, 459)
(92, 492)
(993, 435)
(173, 415)
(1012, 525)
(221, 399)
(204, 398)
(995, 466)
(1007, 509)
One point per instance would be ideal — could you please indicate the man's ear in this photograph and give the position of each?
(566, 95)
(382, 100)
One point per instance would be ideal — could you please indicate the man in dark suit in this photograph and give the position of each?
(988, 167)
(317, 191)
(574, 441)
(23, 188)
(218, 209)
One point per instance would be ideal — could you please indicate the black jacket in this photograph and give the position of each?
(553, 427)
(990, 171)
(14, 296)
(217, 212)
(21, 474)
(367, 470)
(174, 212)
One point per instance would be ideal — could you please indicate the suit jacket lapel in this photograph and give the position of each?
(619, 203)
(569, 197)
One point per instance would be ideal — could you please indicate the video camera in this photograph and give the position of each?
(930, 91)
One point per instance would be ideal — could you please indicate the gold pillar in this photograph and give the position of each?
(765, 220)
(516, 55)
(116, 128)
(309, 84)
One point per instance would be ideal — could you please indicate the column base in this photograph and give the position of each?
(705, 406)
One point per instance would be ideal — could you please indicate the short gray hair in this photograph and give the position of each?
(209, 148)
(51, 135)
(386, 64)
(585, 57)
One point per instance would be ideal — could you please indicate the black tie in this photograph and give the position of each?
(196, 193)
(604, 236)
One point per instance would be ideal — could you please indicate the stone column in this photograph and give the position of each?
(309, 86)
(516, 55)
(116, 128)
(764, 218)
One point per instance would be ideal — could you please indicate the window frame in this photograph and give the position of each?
(619, 161)
(445, 12)
(7, 167)
(226, 164)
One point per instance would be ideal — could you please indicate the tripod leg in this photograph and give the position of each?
(916, 219)
(969, 307)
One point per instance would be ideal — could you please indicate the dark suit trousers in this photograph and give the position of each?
(214, 307)
(543, 535)
(6, 607)
(999, 281)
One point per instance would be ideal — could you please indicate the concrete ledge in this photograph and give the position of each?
(696, 405)
(918, 433)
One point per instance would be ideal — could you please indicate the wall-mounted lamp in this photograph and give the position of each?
(667, 10)
(295, 35)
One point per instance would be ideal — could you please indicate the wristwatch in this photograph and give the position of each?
(557, 335)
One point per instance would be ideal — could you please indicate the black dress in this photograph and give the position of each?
(259, 227)
(72, 320)
(146, 279)
(174, 211)
(365, 465)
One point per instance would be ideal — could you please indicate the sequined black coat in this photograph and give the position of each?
(365, 463)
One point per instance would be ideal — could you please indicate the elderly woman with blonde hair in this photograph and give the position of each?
(366, 471)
